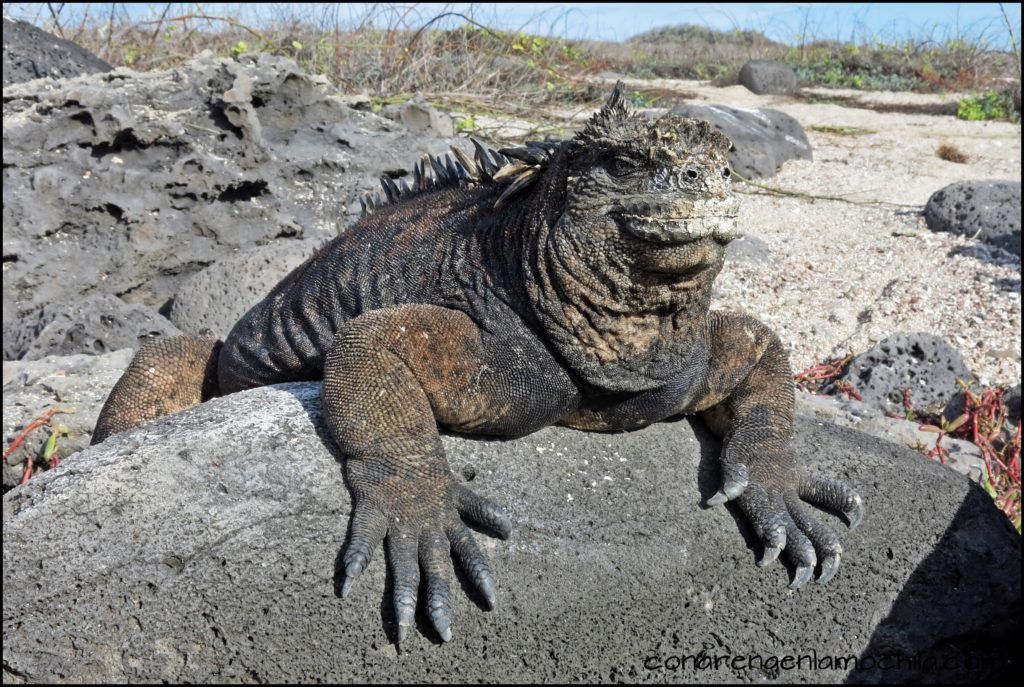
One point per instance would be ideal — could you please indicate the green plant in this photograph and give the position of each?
(989, 105)
(640, 99)
(466, 124)
(643, 72)
(512, 70)
(983, 422)
(49, 458)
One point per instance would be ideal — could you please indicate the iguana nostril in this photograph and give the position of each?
(692, 173)
(726, 172)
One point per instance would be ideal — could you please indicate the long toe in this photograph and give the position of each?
(769, 520)
(434, 558)
(735, 478)
(473, 563)
(800, 551)
(834, 495)
(825, 541)
(483, 511)
(405, 570)
(369, 526)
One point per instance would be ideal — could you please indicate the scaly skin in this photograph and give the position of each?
(568, 285)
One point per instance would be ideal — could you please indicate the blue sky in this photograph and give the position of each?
(616, 21)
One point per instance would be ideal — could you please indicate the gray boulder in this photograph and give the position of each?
(132, 182)
(31, 53)
(95, 324)
(76, 385)
(419, 115)
(217, 296)
(989, 210)
(204, 548)
(762, 139)
(923, 363)
(749, 248)
(768, 77)
(962, 456)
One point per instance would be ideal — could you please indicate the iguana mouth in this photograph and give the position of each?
(681, 229)
(682, 222)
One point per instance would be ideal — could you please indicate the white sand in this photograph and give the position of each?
(849, 275)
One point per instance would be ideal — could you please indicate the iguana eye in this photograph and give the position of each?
(622, 166)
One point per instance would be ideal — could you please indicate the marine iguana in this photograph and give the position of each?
(563, 282)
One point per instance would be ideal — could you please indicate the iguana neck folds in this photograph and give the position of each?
(620, 317)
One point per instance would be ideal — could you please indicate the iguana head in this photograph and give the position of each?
(664, 181)
(621, 273)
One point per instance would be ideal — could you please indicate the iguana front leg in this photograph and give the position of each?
(390, 377)
(741, 381)
(750, 402)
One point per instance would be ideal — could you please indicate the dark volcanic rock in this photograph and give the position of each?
(94, 324)
(1012, 402)
(203, 548)
(989, 210)
(768, 77)
(923, 363)
(762, 139)
(217, 297)
(31, 53)
(128, 183)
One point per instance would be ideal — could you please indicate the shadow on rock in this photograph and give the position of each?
(943, 628)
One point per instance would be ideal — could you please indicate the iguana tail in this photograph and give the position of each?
(165, 376)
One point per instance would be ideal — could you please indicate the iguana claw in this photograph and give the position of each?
(422, 524)
(802, 577)
(829, 566)
(784, 522)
